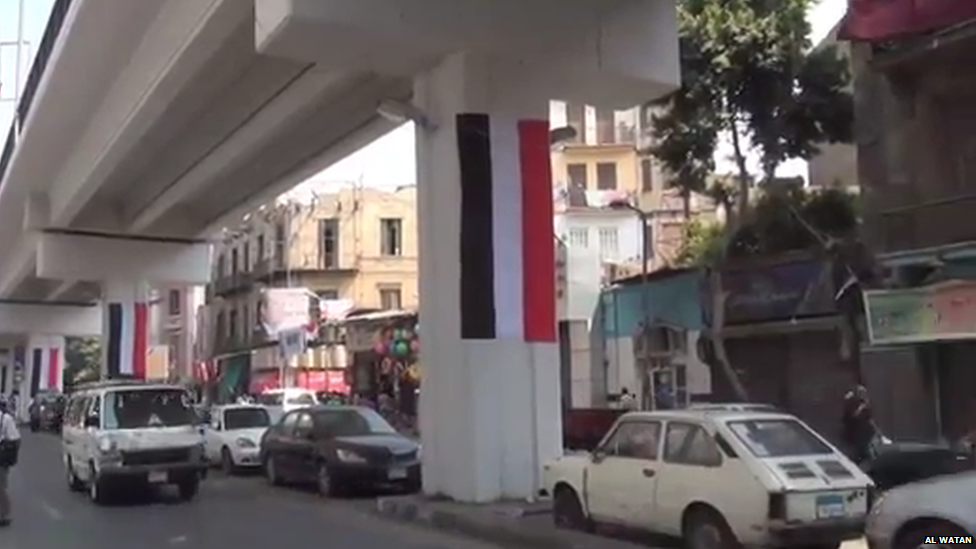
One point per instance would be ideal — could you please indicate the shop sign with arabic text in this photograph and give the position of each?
(942, 312)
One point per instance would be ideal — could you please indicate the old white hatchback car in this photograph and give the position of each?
(718, 478)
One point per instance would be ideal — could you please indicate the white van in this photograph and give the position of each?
(120, 433)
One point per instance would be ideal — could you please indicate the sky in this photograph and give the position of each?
(387, 162)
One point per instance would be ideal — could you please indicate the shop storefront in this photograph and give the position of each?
(385, 372)
(938, 323)
(785, 338)
(321, 368)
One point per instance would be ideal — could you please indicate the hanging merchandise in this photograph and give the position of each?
(401, 348)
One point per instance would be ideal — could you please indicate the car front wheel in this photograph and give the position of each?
(567, 510)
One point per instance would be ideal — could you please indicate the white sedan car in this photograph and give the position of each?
(717, 478)
(233, 438)
(934, 512)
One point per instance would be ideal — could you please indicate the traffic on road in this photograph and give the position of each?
(242, 512)
(714, 477)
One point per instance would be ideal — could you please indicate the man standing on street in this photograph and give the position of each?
(9, 450)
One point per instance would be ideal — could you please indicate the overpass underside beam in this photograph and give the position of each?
(65, 255)
(24, 319)
(126, 265)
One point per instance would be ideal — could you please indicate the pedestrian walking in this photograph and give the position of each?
(9, 451)
(858, 424)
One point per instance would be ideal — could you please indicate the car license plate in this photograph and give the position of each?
(158, 477)
(830, 507)
(398, 473)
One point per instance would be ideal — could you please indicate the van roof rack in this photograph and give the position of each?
(124, 382)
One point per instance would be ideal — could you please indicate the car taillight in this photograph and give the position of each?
(777, 506)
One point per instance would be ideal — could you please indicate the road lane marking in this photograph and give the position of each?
(176, 540)
(52, 512)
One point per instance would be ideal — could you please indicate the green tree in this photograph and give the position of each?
(748, 73)
(702, 244)
(83, 358)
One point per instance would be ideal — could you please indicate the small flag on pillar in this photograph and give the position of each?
(128, 340)
(46, 369)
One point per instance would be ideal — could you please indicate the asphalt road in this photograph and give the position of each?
(229, 513)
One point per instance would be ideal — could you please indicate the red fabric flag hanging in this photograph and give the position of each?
(878, 20)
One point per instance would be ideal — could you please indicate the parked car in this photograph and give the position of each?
(733, 407)
(338, 449)
(46, 411)
(233, 436)
(898, 463)
(717, 478)
(936, 511)
(123, 433)
(281, 401)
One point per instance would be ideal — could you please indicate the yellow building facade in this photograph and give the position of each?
(356, 247)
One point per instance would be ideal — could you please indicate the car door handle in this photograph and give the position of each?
(648, 473)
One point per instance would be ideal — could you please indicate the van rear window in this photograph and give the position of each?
(778, 438)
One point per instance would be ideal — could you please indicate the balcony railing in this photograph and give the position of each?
(55, 23)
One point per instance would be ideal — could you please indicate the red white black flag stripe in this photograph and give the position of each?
(507, 249)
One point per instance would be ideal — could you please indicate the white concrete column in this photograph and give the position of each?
(490, 396)
(44, 364)
(125, 330)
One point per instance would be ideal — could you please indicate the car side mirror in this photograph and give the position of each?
(597, 456)
(91, 421)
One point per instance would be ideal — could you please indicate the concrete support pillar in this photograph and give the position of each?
(125, 330)
(490, 400)
(44, 365)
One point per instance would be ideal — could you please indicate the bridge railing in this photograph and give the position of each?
(59, 12)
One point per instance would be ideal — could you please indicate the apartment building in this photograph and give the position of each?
(356, 246)
(173, 331)
(598, 171)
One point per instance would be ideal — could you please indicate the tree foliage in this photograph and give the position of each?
(783, 221)
(82, 357)
(748, 73)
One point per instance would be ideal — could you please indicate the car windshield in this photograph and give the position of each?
(138, 408)
(778, 438)
(350, 423)
(270, 399)
(245, 418)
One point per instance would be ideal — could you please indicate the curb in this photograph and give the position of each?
(499, 530)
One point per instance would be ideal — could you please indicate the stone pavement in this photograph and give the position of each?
(515, 525)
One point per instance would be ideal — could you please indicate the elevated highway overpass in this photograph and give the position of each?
(146, 125)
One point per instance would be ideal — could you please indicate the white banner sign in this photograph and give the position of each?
(284, 309)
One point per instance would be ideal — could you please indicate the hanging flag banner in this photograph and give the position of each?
(942, 312)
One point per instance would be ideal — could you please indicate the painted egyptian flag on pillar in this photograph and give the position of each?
(127, 349)
(45, 369)
(508, 264)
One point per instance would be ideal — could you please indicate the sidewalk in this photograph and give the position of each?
(514, 525)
